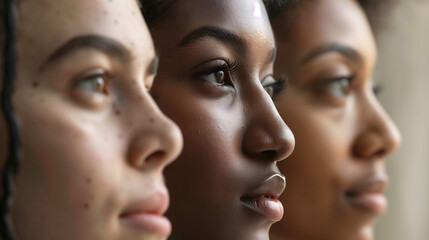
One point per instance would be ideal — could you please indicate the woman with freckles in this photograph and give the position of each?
(93, 143)
(336, 175)
(215, 81)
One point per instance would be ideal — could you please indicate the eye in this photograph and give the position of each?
(273, 86)
(377, 89)
(218, 72)
(94, 82)
(339, 87)
(217, 77)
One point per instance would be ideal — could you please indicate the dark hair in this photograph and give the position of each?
(276, 7)
(11, 166)
(155, 10)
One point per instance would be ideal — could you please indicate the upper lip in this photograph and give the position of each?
(375, 184)
(156, 203)
(272, 187)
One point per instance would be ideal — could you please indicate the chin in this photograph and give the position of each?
(366, 234)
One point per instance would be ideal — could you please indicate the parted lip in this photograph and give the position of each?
(272, 187)
(375, 184)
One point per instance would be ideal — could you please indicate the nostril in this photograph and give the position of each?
(381, 153)
(269, 155)
(156, 157)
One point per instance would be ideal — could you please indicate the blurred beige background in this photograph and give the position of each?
(403, 71)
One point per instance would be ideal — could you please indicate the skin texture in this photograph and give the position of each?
(233, 135)
(89, 154)
(343, 134)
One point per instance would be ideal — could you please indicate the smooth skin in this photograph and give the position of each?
(216, 66)
(343, 135)
(94, 144)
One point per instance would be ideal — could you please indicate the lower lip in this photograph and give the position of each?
(149, 222)
(374, 202)
(270, 208)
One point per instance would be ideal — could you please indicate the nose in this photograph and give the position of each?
(157, 140)
(379, 136)
(266, 137)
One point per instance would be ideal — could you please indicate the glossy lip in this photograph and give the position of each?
(264, 199)
(368, 194)
(147, 214)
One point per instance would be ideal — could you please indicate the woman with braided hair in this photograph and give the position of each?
(93, 144)
(336, 176)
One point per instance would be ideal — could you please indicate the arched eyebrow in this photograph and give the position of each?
(104, 44)
(342, 49)
(220, 34)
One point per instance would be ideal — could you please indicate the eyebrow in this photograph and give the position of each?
(333, 47)
(104, 44)
(220, 34)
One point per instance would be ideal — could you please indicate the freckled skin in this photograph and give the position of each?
(341, 140)
(224, 126)
(77, 176)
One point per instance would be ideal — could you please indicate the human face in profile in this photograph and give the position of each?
(215, 80)
(337, 177)
(94, 144)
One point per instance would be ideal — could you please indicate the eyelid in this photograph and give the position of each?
(337, 78)
(232, 65)
(91, 73)
(322, 83)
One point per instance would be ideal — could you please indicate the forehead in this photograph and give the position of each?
(340, 21)
(246, 18)
(44, 25)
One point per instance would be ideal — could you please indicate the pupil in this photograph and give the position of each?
(344, 85)
(219, 76)
(99, 85)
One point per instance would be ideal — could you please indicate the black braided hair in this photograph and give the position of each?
(12, 162)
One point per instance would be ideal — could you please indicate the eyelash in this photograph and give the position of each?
(278, 86)
(377, 89)
(228, 66)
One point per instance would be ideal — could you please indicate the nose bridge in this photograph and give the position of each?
(388, 128)
(156, 140)
(379, 130)
(267, 135)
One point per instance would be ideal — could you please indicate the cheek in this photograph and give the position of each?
(62, 163)
(322, 150)
(211, 131)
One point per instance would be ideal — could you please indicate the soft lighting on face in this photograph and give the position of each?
(257, 13)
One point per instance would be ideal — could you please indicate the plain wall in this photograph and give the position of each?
(403, 71)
